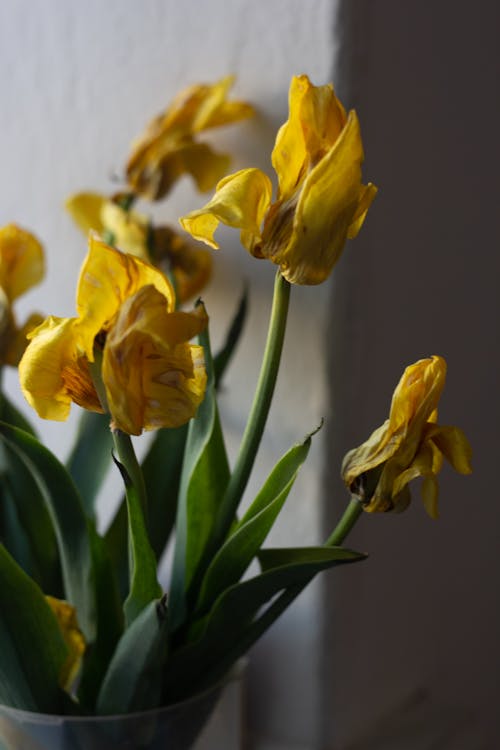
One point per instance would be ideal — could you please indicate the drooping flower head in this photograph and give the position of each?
(409, 444)
(22, 266)
(169, 148)
(321, 200)
(152, 376)
(132, 232)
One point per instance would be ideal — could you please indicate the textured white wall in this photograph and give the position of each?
(79, 81)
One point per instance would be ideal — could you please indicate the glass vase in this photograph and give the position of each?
(210, 720)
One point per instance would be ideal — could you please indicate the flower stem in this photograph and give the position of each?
(126, 455)
(259, 410)
(347, 521)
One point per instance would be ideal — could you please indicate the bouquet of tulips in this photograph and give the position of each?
(86, 626)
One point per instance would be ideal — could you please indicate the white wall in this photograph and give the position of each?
(79, 82)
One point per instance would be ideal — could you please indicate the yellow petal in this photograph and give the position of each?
(241, 200)
(315, 122)
(365, 199)
(130, 229)
(21, 261)
(409, 444)
(53, 371)
(373, 452)
(191, 266)
(19, 339)
(152, 375)
(204, 165)
(216, 110)
(430, 495)
(417, 395)
(455, 447)
(85, 210)
(168, 148)
(326, 206)
(427, 462)
(107, 278)
(73, 638)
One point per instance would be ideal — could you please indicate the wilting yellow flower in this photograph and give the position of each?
(409, 444)
(73, 638)
(321, 201)
(21, 267)
(127, 230)
(132, 232)
(151, 375)
(168, 148)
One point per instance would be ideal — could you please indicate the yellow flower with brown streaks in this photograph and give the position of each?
(409, 444)
(22, 266)
(321, 200)
(168, 149)
(132, 232)
(151, 376)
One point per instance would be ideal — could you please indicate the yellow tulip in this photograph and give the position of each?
(22, 266)
(168, 149)
(321, 200)
(132, 232)
(409, 444)
(94, 212)
(151, 375)
(66, 618)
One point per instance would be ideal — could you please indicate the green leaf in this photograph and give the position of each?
(161, 468)
(295, 559)
(90, 457)
(236, 554)
(70, 524)
(236, 620)
(205, 474)
(83, 569)
(12, 534)
(10, 414)
(30, 524)
(31, 643)
(109, 622)
(144, 586)
(224, 356)
(133, 679)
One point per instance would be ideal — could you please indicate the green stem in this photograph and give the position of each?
(126, 455)
(347, 521)
(259, 410)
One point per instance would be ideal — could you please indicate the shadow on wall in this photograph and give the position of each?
(422, 617)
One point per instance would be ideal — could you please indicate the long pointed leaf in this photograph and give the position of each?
(133, 679)
(32, 647)
(225, 631)
(82, 568)
(161, 469)
(224, 356)
(205, 475)
(11, 415)
(33, 521)
(250, 533)
(90, 457)
(144, 586)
